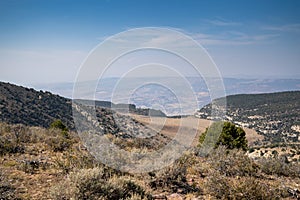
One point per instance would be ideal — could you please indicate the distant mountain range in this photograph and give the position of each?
(161, 95)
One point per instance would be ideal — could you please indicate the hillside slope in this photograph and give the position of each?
(20, 105)
(34, 108)
(38, 108)
(274, 115)
(45, 164)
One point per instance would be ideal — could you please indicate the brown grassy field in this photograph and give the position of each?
(170, 127)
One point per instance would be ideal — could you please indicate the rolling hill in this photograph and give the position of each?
(34, 108)
(274, 115)
(20, 105)
(39, 108)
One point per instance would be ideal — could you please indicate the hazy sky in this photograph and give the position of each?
(46, 41)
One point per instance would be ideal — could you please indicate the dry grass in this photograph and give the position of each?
(73, 173)
(95, 184)
(35, 169)
(170, 127)
(252, 136)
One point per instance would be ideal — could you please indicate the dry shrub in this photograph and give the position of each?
(10, 146)
(233, 175)
(174, 178)
(59, 140)
(279, 166)
(10, 139)
(13, 138)
(35, 135)
(218, 185)
(223, 187)
(94, 184)
(7, 191)
(71, 160)
(58, 144)
(30, 166)
(232, 162)
(136, 197)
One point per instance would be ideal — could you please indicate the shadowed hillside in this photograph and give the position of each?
(38, 108)
(20, 105)
(27, 106)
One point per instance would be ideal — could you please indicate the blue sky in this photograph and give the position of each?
(255, 38)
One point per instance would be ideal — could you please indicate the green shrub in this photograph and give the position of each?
(251, 150)
(224, 133)
(59, 125)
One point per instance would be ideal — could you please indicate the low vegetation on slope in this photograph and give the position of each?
(273, 115)
(27, 106)
(38, 163)
(38, 108)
